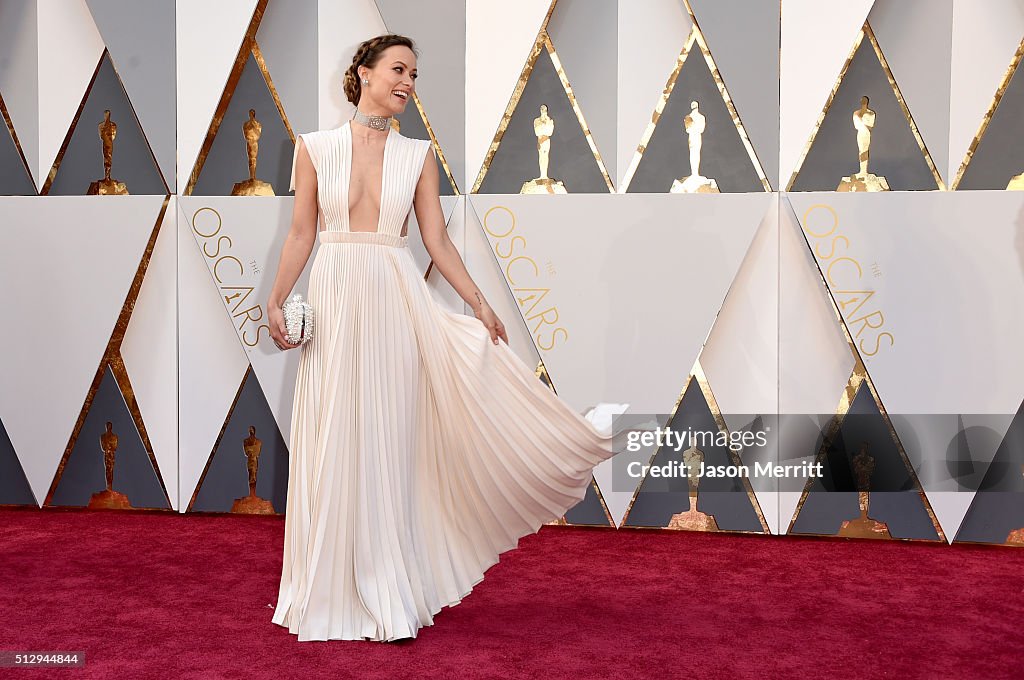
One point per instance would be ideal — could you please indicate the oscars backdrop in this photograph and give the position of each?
(662, 199)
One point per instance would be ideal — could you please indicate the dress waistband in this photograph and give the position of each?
(378, 238)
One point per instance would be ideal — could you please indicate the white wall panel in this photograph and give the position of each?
(150, 350)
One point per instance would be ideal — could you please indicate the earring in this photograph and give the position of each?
(365, 81)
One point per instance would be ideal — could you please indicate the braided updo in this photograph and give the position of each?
(367, 54)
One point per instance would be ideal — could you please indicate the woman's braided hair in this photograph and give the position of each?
(367, 54)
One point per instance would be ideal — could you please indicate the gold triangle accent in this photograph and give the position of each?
(248, 47)
(112, 357)
(697, 374)
(866, 32)
(17, 142)
(437, 145)
(257, 54)
(542, 43)
(696, 37)
(983, 128)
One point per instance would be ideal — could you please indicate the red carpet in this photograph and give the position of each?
(151, 595)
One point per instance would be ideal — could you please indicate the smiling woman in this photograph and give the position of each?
(421, 446)
(391, 60)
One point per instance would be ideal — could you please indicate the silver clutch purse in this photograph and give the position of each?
(298, 320)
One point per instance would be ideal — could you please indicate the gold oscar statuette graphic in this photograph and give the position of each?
(107, 186)
(543, 127)
(694, 183)
(1016, 537)
(252, 504)
(693, 519)
(251, 130)
(1016, 183)
(863, 122)
(108, 499)
(864, 526)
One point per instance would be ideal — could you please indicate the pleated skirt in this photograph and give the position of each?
(419, 452)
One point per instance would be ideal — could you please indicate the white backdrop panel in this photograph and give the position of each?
(150, 350)
(70, 47)
(74, 258)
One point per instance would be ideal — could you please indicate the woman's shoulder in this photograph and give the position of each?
(318, 136)
(414, 142)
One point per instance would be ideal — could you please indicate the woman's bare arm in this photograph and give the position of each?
(297, 245)
(443, 252)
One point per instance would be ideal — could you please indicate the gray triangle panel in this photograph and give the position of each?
(227, 476)
(516, 159)
(228, 162)
(14, 486)
(998, 506)
(14, 175)
(894, 495)
(723, 158)
(723, 497)
(132, 160)
(85, 472)
(589, 511)
(895, 154)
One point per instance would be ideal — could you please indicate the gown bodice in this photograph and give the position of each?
(331, 154)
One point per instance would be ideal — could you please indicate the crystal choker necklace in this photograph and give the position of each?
(375, 122)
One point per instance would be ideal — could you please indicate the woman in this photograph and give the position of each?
(421, 447)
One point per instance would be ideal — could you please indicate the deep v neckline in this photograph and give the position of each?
(383, 179)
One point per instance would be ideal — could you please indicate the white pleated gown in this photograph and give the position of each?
(419, 450)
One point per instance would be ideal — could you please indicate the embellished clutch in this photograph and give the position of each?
(298, 320)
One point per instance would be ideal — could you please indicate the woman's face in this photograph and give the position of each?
(392, 82)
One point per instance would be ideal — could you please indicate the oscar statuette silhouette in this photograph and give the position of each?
(863, 122)
(693, 519)
(252, 130)
(252, 504)
(107, 186)
(694, 183)
(108, 499)
(543, 127)
(863, 526)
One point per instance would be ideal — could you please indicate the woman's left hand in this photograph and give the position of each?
(491, 322)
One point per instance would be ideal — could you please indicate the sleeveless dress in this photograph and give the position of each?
(419, 450)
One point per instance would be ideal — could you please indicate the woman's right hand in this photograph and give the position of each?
(277, 328)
